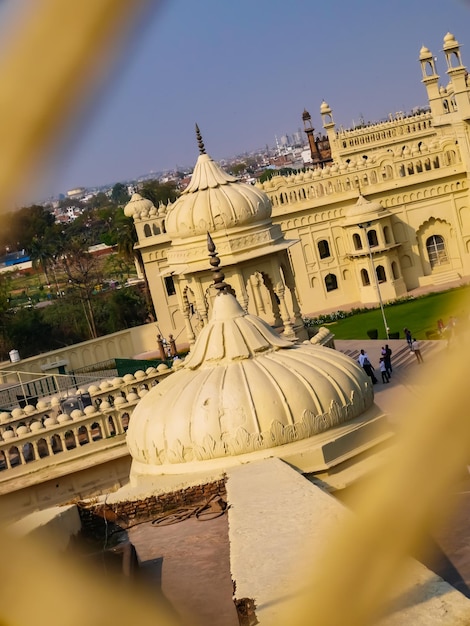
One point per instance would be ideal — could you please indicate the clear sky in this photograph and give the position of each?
(244, 70)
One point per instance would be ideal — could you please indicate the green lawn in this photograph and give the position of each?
(418, 315)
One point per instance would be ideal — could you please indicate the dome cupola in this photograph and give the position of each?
(243, 389)
(214, 200)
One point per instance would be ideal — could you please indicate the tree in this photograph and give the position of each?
(83, 273)
(158, 192)
(120, 194)
(237, 168)
(41, 255)
(127, 238)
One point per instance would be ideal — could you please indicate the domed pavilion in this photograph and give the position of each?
(253, 250)
(245, 393)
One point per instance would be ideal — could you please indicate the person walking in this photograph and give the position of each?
(366, 365)
(408, 336)
(417, 350)
(388, 360)
(383, 371)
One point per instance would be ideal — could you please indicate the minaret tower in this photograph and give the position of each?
(431, 81)
(329, 126)
(458, 76)
(309, 130)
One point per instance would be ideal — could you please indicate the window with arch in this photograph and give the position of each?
(156, 230)
(381, 277)
(436, 248)
(323, 249)
(372, 237)
(357, 242)
(365, 278)
(331, 282)
(147, 230)
(395, 272)
(386, 234)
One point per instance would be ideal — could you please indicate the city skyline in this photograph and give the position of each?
(245, 77)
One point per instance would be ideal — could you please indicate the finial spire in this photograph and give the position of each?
(200, 143)
(218, 275)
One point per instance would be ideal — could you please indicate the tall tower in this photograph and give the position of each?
(309, 130)
(329, 126)
(431, 81)
(458, 76)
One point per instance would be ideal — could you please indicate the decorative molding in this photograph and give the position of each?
(243, 442)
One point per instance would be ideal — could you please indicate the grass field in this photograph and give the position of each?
(418, 315)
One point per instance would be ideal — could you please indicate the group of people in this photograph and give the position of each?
(385, 361)
(385, 364)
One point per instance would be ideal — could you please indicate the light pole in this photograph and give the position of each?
(365, 227)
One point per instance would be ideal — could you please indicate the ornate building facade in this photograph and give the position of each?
(390, 211)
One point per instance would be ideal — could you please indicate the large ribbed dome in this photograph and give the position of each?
(242, 389)
(215, 201)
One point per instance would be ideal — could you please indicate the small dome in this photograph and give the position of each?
(88, 410)
(137, 205)
(22, 430)
(215, 201)
(34, 426)
(450, 41)
(243, 388)
(325, 108)
(8, 434)
(50, 421)
(364, 210)
(424, 53)
(4, 417)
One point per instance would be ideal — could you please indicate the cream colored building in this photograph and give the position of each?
(394, 202)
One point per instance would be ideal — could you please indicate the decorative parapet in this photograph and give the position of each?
(32, 433)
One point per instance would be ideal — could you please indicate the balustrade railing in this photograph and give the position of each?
(54, 427)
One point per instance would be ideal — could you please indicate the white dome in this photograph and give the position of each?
(214, 201)
(137, 205)
(243, 388)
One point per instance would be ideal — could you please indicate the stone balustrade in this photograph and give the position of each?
(32, 433)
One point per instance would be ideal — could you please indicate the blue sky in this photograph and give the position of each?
(244, 70)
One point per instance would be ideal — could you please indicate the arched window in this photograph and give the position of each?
(436, 248)
(357, 242)
(380, 274)
(323, 249)
(395, 272)
(170, 286)
(372, 237)
(386, 234)
(156, 230)
(330, 282)
(365, 277)
(147, 231)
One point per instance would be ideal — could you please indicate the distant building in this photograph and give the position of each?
(15, 261)
(386, 207)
